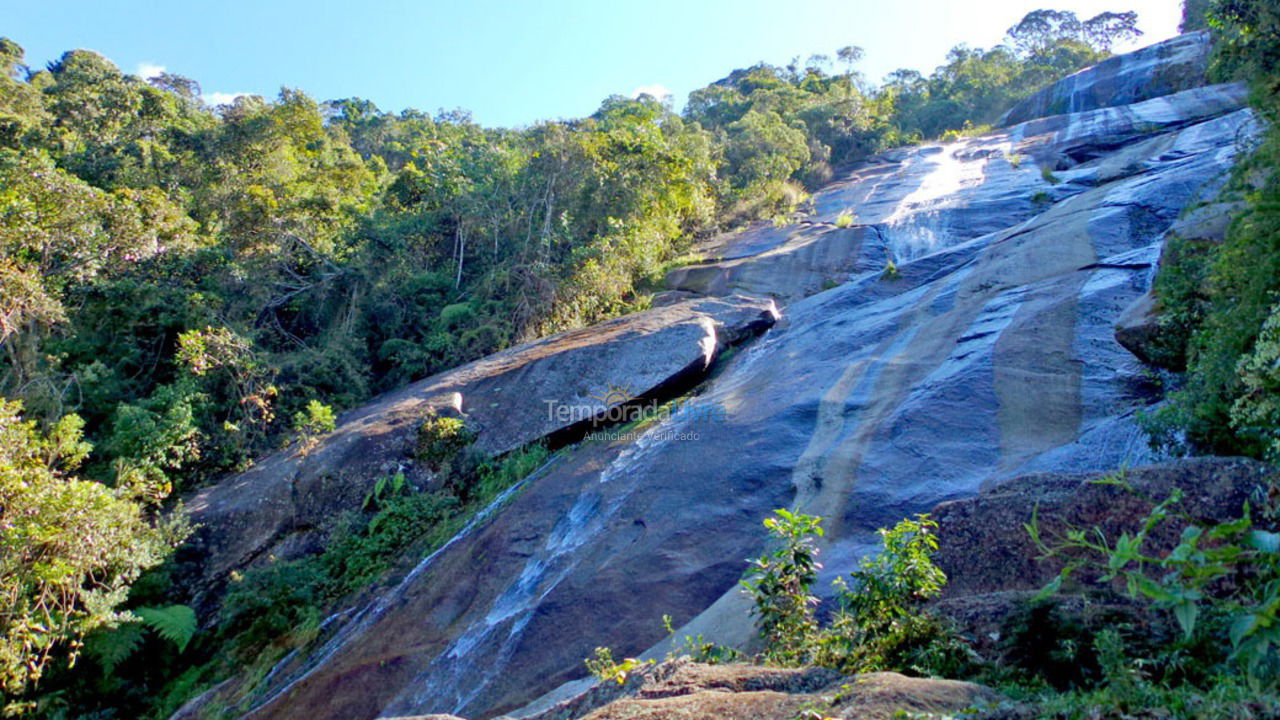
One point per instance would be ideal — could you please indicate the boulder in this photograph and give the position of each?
(985, 548)
(682, 689)
(283, 505)
(1207, 223)
(1138, 330)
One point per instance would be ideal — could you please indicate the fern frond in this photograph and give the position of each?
(110, 647)
(176, 623)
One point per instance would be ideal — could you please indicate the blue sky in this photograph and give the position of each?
(513, 63)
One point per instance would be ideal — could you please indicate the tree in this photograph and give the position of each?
(850, 55)
(55, 230)
(1040, 29)
(1195, 15)
(69, 548)
(1105, 30)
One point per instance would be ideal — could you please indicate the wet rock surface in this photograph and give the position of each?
(1161, 69)
(990, 355)
(809, 258)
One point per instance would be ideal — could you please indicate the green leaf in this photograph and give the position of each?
(176, 623)
(113, 646)
(1186, 613)
(1053, 587)
(1242, 627)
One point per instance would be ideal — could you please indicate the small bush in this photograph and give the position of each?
(891, 271)
(1049, 177)
(308, 425)
(880, 624)
(606, 670)
(779, 584)
(845, 219)
(1227, 571)
(440, 439)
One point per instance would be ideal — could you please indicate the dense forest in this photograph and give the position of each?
(183, 287)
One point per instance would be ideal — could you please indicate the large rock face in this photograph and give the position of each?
(1161, 69)
(284, 503)
(785, 263)
(990, 355)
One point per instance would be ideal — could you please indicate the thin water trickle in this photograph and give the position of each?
(377, 607)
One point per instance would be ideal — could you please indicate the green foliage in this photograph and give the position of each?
(175, 623)
(494, 476)
(965, 131)
(606, 670)
(879, 624)
(891, 271)
(70, 547)
(779, 585)
(443, 447)
(1216, 300)
(845, 219)
(308, 425)
(697, 648)
(112, 646)
(1188, 579)
(902, 575)
(1256, 412)
(1049, 177)
(278, 606)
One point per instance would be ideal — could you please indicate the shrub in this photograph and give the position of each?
(606, 670)
(779, 584)
(69, 550)
(891, 271)
(845, 219)
(440, 439)
(310, 424)
(1049, 177)
(879, 624)
(1256, 412)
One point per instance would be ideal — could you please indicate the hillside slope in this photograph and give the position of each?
(959, 333)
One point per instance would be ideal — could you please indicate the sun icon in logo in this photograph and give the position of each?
(615, 395)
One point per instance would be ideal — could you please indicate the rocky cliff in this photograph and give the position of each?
(959, 333)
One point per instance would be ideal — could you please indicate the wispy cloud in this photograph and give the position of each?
(221, 98)
(147, 70)
(659, 91)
